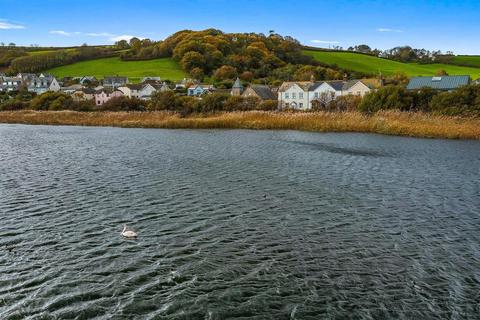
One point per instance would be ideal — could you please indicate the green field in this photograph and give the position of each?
(370, 64)
(473, 61)
(166, 68)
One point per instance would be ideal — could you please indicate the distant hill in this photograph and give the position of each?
(371, 64)
(166, 68)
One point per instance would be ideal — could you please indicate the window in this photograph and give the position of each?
(359, 93)
(300, 105)
(300, 95)
(316, 95)
(286, 95)
(294, 95)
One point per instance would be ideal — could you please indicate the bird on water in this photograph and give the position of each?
(128, 233)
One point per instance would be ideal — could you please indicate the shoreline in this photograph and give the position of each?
(396, 123)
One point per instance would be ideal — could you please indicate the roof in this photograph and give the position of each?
(304, 85)
(264, 92)
(439, 83)
(237, 84)
(134, 86)
(115, 78)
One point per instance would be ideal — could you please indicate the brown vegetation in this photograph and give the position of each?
(383, 122)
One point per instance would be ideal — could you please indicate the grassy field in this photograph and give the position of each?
(135, 70)
(473, 61)
(370, 64)
(391, 123)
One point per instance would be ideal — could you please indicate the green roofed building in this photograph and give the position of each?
(445, 83)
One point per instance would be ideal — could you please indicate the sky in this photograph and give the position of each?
(447, 25)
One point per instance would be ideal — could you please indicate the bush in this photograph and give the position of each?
(464, 101)
(13, 105)
(51, 101)
(123, 104)
(386, 98)
(163, 101)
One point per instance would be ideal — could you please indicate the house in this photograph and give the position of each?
(86, 80)
(302, 95)
(42, 84)
(149, 89)
(184, 83)
(105, 95)
(260, 91)
(294, 95)
(156, 79)
(83, 94)
(71, 89)
(237, 88)
(199, 89)
(114, 82)
(443, 83)
(131, 90)
(10, 83)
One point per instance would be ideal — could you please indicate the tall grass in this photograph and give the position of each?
(392, 123)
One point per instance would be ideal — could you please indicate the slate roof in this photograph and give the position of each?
(237, 84)
(264, 92)
(134, 86)
(439, 83)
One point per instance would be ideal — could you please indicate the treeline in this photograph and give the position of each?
(225, 56)
(464, 101)
(7, 55)
(40, 62)
(161, 101)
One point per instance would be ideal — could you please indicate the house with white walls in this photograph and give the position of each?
(301, 95)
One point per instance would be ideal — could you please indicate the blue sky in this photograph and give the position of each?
(441, 24)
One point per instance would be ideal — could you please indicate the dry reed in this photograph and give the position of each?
(392, 123)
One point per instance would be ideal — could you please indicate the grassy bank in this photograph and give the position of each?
(370, 64)
(135, 70)
(392, 123)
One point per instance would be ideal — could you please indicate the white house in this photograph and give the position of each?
(301, 95)
(131, 90)
(149, 89)
(43, 83)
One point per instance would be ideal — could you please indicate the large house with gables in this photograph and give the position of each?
(303, 94)
(43, 83)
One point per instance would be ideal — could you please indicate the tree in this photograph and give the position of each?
(225, 73)
(122, 45)
(441, 72)
(192, 60)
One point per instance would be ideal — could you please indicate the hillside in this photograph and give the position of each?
(472, 61)
(370, 64)
(135, 70)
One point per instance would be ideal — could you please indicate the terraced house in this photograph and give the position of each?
(303, 94)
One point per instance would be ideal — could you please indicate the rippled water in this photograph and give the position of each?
(236, 224)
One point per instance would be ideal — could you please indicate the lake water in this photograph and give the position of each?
(236, 224)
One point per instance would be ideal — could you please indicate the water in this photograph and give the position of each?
(237, 224)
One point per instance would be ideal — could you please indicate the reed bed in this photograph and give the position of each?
(391, 122)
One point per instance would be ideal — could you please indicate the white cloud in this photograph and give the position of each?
(61, 32)
(102, 34)
(4, 25)
(389, 30)
(111, 37)
(124, 37)
(324, 42)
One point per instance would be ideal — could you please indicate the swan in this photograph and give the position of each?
(128, 233)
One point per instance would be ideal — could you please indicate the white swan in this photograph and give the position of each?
(128, 233)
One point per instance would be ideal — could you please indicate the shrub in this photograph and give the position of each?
(51, 101)
(123, 104)
(13, 105)
(464, 101)
(386, 98)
